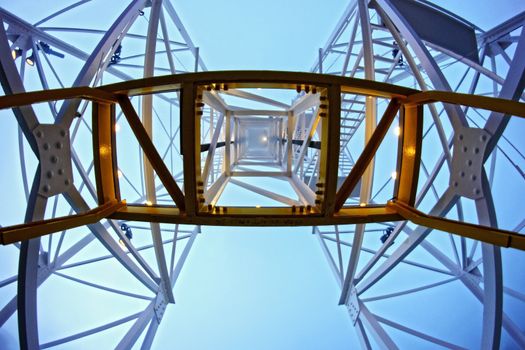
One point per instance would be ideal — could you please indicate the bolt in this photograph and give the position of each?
(63, 133)
(60, 171)
(50, 174)
(67, 182)
(460, 137)
(47, 188)
(54, 159)
(46, 146)
(59, 145)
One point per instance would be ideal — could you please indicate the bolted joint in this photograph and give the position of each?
(353, 305)
(54, 153)
(467, 162)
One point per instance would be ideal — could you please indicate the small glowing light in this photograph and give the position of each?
(257, 206)
(122, 244)
(117, 127)
(264, 138)
(119, 173)
(30, 60)
(397, 131)
(394, 175)
(148, 203)
(15, 53)
(362, 204)
(410, 151)
(104, 150)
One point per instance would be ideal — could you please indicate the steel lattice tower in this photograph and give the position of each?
(402, 149)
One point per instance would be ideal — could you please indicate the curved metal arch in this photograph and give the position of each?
(492, 261)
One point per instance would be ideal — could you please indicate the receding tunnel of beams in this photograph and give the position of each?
(261, 167)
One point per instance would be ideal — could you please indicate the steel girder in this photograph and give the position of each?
(393, 34)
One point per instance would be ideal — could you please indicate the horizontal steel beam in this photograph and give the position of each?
(11, 234)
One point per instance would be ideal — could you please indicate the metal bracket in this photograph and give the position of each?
(467, 162)
(160, 303)
(54, 148)
(353, 305)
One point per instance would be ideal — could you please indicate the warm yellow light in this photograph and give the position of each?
(397, 131)
(257, 206)
(15, 53)
(122, 244)
(410, 151)
(119, 173)
(394, 175)
(148, 203)
(362, 204)
(117, 127)
(104, 150)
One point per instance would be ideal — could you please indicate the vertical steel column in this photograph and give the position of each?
(227, 150)
(28, 273)
(191, 131)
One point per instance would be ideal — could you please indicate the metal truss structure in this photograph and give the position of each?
(434, 187)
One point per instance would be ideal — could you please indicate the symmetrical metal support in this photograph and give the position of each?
(308, 146)
(316, 214)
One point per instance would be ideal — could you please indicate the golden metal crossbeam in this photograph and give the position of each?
(191, 206)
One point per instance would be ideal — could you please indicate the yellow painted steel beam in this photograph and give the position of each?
(251, 216)
(11, 234)
(490, 103)
(258, 79)
(27, 98)
(330, 129)
(190, 208)
(409, 154)
(105, 153)
(486, 234)
(151, 152)
(190, 117)
(368, 153)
